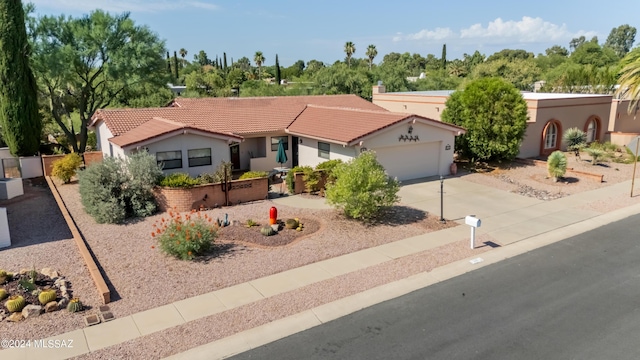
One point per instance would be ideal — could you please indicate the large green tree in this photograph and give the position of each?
(19, 118)
(84, 64)
(621, 39)
(495, 116)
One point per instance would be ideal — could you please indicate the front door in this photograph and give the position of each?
(235, 156)
(294, 151)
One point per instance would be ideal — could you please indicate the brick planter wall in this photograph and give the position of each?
(211, 195)
(91, 157)
(47, 163)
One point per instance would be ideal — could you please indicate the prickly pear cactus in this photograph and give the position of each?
(3, 294)
(267, 231)
(15, 303)
(47, 296)
(75, 305)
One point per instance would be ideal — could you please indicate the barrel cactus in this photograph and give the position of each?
(47, 296)
(4, 277)
(291, 223)
(3, 294)
(75, 305)
(15, 303)
(267, 231)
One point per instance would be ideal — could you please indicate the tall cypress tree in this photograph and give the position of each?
(444, 56)
(278, 76)
(168, 63)
(175, 65)
(225, 61)
(19, 117)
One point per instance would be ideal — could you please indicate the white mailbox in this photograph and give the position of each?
(474, 222)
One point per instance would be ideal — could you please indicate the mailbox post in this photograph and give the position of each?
(474, 222)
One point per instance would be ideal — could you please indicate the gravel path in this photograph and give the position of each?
(142, 278)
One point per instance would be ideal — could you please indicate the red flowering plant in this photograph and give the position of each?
(185, 236)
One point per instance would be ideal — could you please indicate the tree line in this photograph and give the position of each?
(101, 60)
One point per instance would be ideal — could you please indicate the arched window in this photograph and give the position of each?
(591, 129)
(551, 136)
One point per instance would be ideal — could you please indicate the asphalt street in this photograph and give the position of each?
(575, 299)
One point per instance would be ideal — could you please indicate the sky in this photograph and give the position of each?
(307, 30)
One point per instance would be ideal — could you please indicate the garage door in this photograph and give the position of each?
(410, 161)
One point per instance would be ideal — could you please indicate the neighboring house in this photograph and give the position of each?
(549, 115)
(195, 135)
(624, 125)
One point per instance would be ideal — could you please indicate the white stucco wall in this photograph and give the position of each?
(308, 152)
(268, 162)
(185, 142)
(103, 134)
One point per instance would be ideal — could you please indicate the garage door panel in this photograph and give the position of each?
(412, 161)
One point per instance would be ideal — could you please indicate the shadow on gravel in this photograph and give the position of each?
(399, 215)
(221, 252)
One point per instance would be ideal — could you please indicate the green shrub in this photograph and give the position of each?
(597, 154)
(362, 188)
(67, 167)
(179, 180)
(557, 165)
(328, 166)
(254, 175)
(311, 179)
(218, 175)
(185, 237)
(116, 188)
(290, 178)
(575, 139)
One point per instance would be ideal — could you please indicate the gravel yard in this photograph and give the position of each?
(141, 277)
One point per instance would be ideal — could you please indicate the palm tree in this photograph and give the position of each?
(349, 49)
(630, 78)
(371, 54)
(183, 53)
(258, 58)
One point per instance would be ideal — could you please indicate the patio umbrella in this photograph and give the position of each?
(281, 158)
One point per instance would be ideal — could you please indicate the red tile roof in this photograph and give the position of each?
(157, 127)
(228, 115)
(347, 126)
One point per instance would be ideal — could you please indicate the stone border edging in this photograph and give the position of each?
(101, 285)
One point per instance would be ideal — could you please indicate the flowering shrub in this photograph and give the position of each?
(185, 236)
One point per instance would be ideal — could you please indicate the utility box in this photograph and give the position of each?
(472, 221)
(5, 238)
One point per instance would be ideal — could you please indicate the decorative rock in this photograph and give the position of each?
(49, 272)
(32, 311)
(15, 317)
(62, 304)
(24, 271)
(51, 306)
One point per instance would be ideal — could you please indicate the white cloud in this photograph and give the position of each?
(526, 30)
(121, 5)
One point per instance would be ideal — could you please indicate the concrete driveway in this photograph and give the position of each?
(461, 198)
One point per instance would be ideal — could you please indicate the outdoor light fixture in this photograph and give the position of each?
(447, 147)
(299, 141)
(410, 129)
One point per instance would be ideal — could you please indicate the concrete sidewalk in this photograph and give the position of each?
(522, 222)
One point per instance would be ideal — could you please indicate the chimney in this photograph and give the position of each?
(378, 89)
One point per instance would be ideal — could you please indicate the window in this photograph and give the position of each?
(199, 157)
(323, 150)
(592, 131)
(169, 159)
(550, 136)
(274, 142)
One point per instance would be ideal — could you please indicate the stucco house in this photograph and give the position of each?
(550, 114)
(195, 135)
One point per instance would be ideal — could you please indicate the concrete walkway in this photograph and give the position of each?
(521, 222)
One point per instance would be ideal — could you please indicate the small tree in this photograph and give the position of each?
(575, 139)
(66, 168)
(557, 165)
(362, 188)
